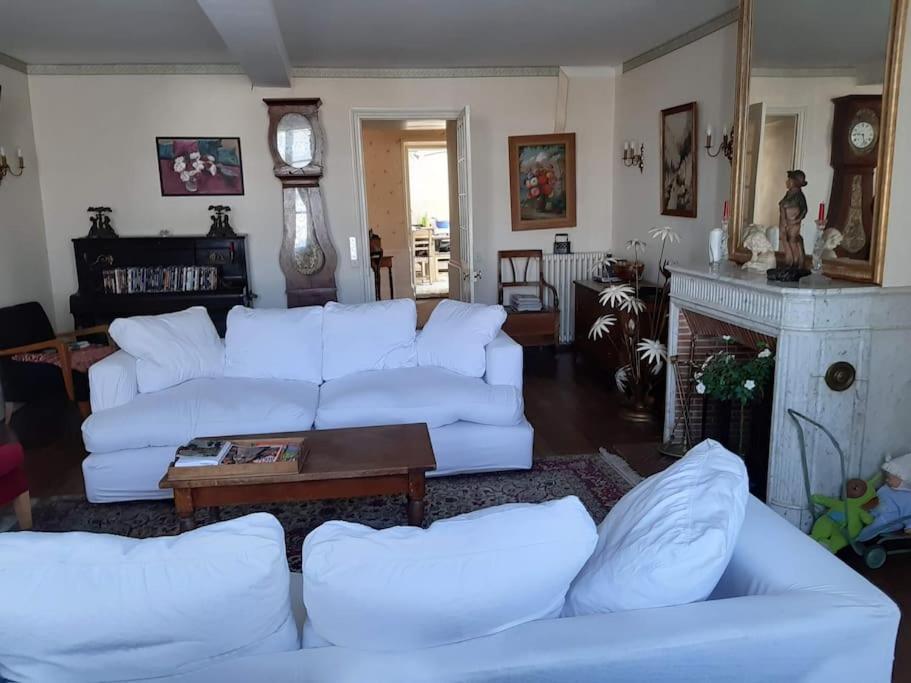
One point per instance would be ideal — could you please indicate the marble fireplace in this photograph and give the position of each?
(866, 326)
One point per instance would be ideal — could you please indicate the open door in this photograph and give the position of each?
(755, 124)
(461, 275)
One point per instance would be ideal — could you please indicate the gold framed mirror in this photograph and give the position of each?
(817, 91)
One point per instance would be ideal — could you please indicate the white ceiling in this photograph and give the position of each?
(355, 33)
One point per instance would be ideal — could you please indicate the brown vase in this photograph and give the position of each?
(639, 406)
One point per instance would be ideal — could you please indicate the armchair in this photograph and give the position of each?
(529, 328)
(25, 328)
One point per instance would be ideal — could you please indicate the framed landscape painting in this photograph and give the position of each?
(679, 152)
(190, 167)
(542, 181)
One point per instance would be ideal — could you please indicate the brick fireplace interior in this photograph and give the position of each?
(699, 336)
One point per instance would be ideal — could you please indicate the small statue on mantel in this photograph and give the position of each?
(792, 209)
(763, 254)
(221, 227)
(101, 222)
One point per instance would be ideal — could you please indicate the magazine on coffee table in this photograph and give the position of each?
(220, 458)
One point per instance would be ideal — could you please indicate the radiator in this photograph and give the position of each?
(560, 270)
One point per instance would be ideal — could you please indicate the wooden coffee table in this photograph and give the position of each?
(343, 463)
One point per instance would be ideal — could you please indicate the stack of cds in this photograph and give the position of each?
(524, 303)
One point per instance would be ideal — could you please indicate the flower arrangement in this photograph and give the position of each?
(642, 321)
(192, 165)
(725, 377)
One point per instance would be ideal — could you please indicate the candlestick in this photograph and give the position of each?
(822, 211)
(725, 213)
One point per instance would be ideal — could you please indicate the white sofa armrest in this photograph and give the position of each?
(112, 381)
(504, 362)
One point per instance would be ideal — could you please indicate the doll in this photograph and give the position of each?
(851, 515)
(893, 513)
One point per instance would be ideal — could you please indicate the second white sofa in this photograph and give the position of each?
(361, 368)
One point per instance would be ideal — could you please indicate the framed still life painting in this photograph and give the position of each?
(542, 181)
(679, 152)
(190, 167)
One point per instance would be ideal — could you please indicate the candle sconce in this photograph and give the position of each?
(6, 168)
(726, 146)
(633, 158)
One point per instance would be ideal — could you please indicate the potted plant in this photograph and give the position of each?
(640, 315)
(729, 379)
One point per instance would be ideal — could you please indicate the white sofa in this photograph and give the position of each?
(476, 423)
(785, 610)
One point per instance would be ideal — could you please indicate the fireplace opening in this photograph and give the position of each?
(745, 430)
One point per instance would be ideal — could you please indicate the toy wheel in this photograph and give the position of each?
(875, 557)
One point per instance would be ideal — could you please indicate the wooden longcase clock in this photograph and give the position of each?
(855, 147)
(307, 257)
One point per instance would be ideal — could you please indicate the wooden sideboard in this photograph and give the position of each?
(598, 353)
(92, 305)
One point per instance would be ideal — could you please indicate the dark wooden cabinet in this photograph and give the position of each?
(92, 305)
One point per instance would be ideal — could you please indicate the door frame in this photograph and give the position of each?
(358, 116)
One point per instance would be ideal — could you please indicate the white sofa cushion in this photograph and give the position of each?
(668, 541)
(203, 407)
(372, 336)
(456, 334)
(94, 607)
(275, 343)
(465, 577)
(434, 396)
(171, 348)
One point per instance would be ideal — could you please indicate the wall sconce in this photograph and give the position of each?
(726, 146)
(6, 168)
(633, 158)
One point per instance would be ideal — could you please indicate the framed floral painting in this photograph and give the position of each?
(190, 167)
(542, 181)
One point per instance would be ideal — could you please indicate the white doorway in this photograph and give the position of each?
(453, 231)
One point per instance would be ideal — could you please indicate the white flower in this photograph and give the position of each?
(621, 378)
(601, 326)
(634, 244)
(606, 261)
(765, 353)
(184, 176)
(726, 337)
(698, 375)
(179, 164)
(665, 234)
(652, 351)
(700, 388)
(213, 169)
(749, 385)
(615, 294)
(195, 155)
(198, 165)
(633, 305)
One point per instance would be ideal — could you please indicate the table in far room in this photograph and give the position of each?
(342, 463)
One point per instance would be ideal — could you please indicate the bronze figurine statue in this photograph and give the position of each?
(792, 209)
(221, 227)
(101, 222)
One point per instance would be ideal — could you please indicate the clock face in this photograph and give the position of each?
(863, 134)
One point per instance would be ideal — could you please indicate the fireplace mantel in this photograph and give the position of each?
(864, 325)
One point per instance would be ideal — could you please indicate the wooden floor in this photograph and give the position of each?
(572, 409)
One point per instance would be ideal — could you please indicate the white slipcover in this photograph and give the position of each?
(464, 577)
(456, 335)
(113, 381)
(203, 407)
(434, 396)
(275, 343)
(374, 336)
(171, 348)
(94, 607)
(784, 610)
(668, 541)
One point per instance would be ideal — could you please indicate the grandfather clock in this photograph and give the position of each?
(855, 143)
(307, 256)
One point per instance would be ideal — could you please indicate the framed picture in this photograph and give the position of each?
(189, 167)
(679, 153)
(542, 181)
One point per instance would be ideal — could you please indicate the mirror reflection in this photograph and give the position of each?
(815, 105)
(295, 140)
(307, 256)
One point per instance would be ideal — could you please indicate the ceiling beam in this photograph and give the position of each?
(251, 33)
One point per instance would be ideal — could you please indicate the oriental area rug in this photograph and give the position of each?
(599, 480)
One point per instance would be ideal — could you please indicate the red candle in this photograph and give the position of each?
(822, 211)
(725, 213)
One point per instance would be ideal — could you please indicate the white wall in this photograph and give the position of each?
(96, 143)
(23, 255)
(704, 72)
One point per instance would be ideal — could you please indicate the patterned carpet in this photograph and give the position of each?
(599, 480)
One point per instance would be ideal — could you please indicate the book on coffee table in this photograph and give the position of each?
(220, 458)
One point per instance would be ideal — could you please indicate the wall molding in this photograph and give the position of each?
(13, 63)
(684, 39)
(296, 72)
